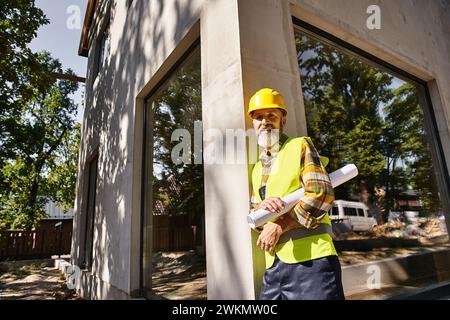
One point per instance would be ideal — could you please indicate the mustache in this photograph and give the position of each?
(269, 132)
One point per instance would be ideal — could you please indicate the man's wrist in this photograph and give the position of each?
(284, 223)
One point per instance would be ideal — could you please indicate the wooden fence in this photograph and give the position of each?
(172, 233)
(40, 244)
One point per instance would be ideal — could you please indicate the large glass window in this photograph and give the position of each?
(358, 112)
(174, 246)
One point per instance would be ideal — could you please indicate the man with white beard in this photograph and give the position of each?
(301, 260)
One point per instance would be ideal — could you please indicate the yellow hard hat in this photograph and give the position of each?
(266, 98)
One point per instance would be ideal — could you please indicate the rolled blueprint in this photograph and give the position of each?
(338, 177)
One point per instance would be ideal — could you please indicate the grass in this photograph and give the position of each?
(22, 272)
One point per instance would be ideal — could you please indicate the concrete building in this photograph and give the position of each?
(133, 47)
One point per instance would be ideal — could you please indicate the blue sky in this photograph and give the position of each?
(62, 35)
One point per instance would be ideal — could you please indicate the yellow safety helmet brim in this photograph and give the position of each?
(268, 106)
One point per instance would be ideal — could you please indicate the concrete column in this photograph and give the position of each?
(269, 59)
(228, 240)
(246, 45)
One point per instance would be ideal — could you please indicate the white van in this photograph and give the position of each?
(354, 213)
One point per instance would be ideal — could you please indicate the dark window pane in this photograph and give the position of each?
(90, 213)
(102, 50)
(360, 212)
(350, 211)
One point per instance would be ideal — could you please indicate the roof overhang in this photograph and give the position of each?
(83, 48)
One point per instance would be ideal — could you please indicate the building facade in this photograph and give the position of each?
(228, 49)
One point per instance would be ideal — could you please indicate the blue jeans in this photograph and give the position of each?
(318, 279)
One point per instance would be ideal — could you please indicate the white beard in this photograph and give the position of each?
(268, 138)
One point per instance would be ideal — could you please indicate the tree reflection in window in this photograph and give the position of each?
(357, 113)
(178, 188)
(178, 246)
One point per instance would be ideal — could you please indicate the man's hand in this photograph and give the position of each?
(273, 204)
(269, 237)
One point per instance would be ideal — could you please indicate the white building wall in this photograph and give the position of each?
(246, 44)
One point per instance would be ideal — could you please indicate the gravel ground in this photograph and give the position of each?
(179, 275)
(33, 282)
(182, 275)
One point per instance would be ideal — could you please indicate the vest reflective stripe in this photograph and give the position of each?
(284, 179)
(299, 233)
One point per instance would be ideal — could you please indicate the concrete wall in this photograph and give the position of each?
(245, 45)
(142, 39)
(228, 241)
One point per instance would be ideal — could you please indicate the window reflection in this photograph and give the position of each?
(358, 113)
(178, 247)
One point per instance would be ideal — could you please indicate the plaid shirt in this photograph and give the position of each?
(319, 193)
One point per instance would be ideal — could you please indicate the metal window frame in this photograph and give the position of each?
(430, 124)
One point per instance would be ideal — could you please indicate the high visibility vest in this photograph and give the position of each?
(304, 244)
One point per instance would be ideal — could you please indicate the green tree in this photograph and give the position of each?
(21, 72)
(409, 164)
(38, 135)
(43, 145)
(62, 179)
(342, 98)
(354, 114)
(179, 186)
